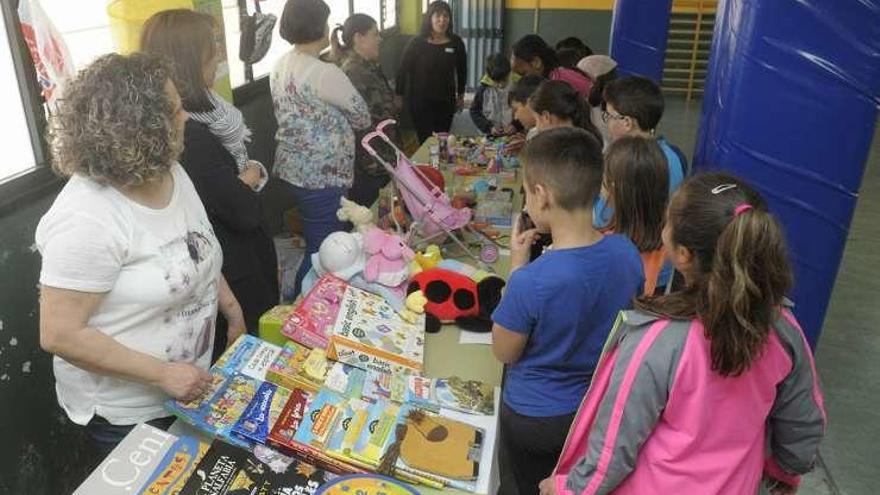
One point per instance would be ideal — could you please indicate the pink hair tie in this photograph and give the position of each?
(739, 210)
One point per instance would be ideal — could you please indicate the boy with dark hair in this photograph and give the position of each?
(489, 110)
(557, 311)
(634, 107)
(518, 99)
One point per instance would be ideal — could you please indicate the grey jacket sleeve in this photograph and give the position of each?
(641, 378)
(797, 419)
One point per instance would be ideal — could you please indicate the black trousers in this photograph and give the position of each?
(430, 116)
(530, 447)
(366, 187)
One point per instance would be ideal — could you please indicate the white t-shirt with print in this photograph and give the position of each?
(158, 270)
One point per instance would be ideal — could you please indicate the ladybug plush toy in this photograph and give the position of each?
(454, 296)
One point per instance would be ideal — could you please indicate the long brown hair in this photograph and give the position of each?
(740, 270)
(186, 39)
(342, 37)
(637, 181)
(560, 99)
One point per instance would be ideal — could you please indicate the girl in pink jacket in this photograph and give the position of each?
(710, 389)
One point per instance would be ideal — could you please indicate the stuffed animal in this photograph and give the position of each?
(359, 216)
(414, 306)
(460, 294)
(388, 258)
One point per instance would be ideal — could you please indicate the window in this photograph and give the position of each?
(84, 25)
(18, 150)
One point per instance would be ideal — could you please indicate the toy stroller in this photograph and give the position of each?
(432, 211)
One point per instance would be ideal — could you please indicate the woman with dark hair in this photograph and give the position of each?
(556, 104)
(532, 55)
(130, 281)
(318, 110)
(433, 72)
(216, 160)
(356, 46)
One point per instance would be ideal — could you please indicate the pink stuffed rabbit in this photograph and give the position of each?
(388, 258)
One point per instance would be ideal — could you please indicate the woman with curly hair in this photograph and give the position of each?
(131, 280)
(216, 160)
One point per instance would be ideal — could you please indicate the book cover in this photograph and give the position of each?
(129, 465)
(348, 428)
(261, 358)
(469, 396)
(384, 386)
(236, 355)
(176, 467)
(224, 412)
(312, 320)
(320, 418)
(287, 365)
(369, 334)
(420, 393)
(292, 414)
(377, 433)
(436, 445)
(195, 410)
(314, 370)
(346, 380)
(226, 470)
(256, 422)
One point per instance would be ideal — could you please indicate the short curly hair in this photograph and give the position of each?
(115, 123)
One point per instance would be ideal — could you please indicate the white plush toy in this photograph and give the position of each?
(360, 216)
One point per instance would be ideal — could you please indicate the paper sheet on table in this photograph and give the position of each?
(467, 337)
(489, 424)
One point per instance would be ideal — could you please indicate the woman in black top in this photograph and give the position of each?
(433, 73)
(216, 160)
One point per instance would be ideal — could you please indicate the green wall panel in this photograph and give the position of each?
(592, 26)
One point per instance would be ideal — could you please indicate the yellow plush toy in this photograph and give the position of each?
(414, 306)
(430, 258)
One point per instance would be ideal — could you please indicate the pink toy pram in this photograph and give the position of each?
(432, 211)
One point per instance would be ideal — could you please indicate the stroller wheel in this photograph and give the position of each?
(489, 253)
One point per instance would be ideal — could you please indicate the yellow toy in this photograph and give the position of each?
(414, 306)
(430, 258)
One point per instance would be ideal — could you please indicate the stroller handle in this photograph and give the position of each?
(378, 133)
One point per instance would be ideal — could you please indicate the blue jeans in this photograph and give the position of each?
(318, 209)
(105, 436)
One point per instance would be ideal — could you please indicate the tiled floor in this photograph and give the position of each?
(849, 348)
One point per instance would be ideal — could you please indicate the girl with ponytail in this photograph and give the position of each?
(707, 390)
(533, 56)
(556, 104)
(355, 46)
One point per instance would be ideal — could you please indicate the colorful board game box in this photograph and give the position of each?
(370, 335)
(311, 322)
(257, 421)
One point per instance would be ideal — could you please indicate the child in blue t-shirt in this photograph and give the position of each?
(557, 311)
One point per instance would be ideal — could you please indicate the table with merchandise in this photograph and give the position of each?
(344, 391)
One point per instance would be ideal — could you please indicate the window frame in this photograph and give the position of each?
(17, 190)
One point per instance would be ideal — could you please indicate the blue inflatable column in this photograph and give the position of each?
(639, 30)
(790, 105)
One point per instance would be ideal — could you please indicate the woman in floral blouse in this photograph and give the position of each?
(317, 109)
(358, 53)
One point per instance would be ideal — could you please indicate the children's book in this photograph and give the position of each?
(195, 410)
(346, 380)
(257, 421)
(385, 386)
(469, 396)
(288, 364)
(321, 416)
(224, 412)
(284, 429)
(176, 467)
(433, 445)
(127, 469)
(226, 470)
(311, 322)
(377, 433)
(366, 484)
(370, 335)
(348, 428)
(248, 355)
